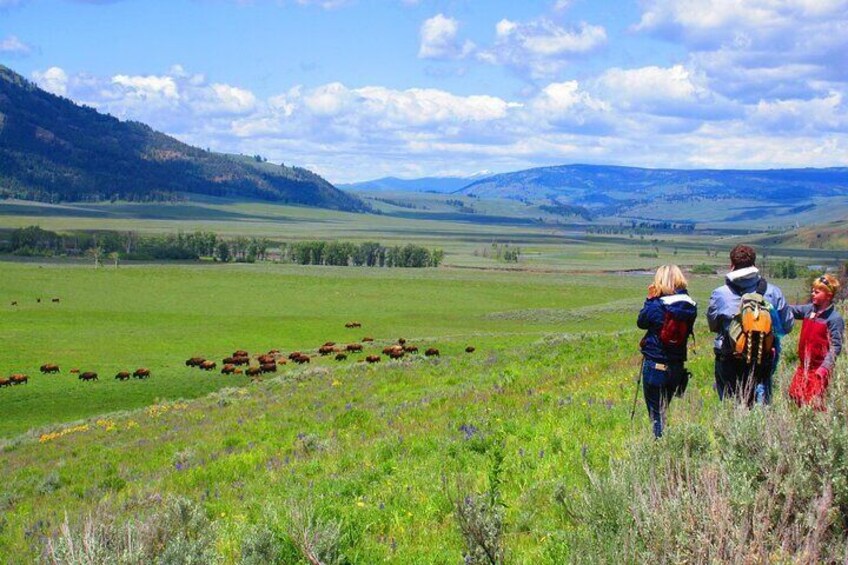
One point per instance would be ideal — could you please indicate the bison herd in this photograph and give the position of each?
(241, 362)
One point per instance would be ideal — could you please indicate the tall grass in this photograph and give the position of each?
(768, 485)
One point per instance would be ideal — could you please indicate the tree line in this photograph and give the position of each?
(130, 245)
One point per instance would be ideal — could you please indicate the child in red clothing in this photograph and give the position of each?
(820, 343)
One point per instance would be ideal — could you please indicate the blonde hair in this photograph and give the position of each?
(668, 280)
(827, 283)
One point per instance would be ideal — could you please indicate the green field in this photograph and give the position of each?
(383, 455)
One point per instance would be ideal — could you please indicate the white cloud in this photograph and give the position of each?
(758, 48)
(53, 80)
(11, 45)
(541, 47)
(648, 116)
(439, 39)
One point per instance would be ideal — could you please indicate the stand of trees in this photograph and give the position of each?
(37, 242)
(368, 254)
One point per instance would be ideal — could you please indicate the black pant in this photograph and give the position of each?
(736, 379)
(658, 397)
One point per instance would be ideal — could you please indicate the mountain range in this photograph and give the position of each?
(54, 150)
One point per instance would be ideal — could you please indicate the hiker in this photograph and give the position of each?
(746, 374)
(668, 316)
(820, 343)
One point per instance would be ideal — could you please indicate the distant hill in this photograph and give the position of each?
(425, 184)
(54, 150)
(609, 190)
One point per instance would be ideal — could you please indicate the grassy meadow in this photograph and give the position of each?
(345, 462)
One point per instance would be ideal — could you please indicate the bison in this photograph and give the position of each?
(241, 353)
(88, 376)
(373, 359)
(396, 353)
(18, 379)
(241, 361)
(301, 359)
(432, 352)
(208, 365)
(367, 338)
(141, 373)
(14, 302)
(253, 371)
(410, 349)
(388, 350)
(340, 356)
(470, 349)
(122, 375)
(194, 361)
(228, 369)
(268, 367)
(5, 382)
(329, 343)
(401, 341)
(54, 300)
(294, 354)
(265, 359)
(49, 368)
(326, 349)
(353, 347)
(75, 371)
(353, 325)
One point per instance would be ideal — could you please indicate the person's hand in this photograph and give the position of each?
(822, 373)
(652, 291)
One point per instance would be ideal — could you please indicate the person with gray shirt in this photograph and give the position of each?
(732, 375)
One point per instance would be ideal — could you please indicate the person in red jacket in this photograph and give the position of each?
(822, 333)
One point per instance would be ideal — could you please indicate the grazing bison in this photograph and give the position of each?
(396, 353)
(469, 349)
(265, 359)
(14, 302)
(241, 353)
(410, 349)
(5, 382)
(241, 360)
(228, 369)
(268, 367)
(340, 356)
(281, 361)
(54, 300)
(194, 361)
(326, 349)
(353, 347)
(18, 379)
(431, 352)
(75, 371)
(373, 359)
(122, 375)
(253, 371)
(208, 365)
(401, 341)
(49, 368)
(367, 338)
(389, 350)
(294, 354)
(301, 359)
(38, 300)
(353, 325)
(141, 373)
(88, 376)
(329, 343)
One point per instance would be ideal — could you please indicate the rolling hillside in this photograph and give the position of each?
(54, 150)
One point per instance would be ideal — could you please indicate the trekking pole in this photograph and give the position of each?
(636, 394)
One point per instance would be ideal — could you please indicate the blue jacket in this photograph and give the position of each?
(724, 305)
(651, 318)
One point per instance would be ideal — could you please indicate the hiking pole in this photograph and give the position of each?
(638, 386)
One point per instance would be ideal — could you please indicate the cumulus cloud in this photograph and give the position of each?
(541, 47)
(759, 47)
(439, 39)
(647, 116)
(13, 46)
(53, 80)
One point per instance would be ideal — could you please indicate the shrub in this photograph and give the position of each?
(767, 485)
(703, 269)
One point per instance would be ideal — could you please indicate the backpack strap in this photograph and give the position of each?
(762, 286)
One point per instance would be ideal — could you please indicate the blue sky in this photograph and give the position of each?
(360, 89)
